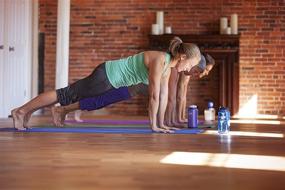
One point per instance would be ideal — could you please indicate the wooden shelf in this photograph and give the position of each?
(226, 42)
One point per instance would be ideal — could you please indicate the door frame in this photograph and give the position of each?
(30, 49)
(35, 45)
(3, 53)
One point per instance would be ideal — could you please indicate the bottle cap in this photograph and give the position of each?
(210, 104)
(192, 106)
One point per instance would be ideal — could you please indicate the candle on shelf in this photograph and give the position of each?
(155, 29)
(168, 30)
(228, 30)
(223, 25)
(159, 21)
(234, 23)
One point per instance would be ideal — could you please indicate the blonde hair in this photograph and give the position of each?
(177, 47)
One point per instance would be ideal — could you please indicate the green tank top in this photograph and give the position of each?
(130, 71)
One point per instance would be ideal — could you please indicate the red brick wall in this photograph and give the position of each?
(47, 24)
(103, 30)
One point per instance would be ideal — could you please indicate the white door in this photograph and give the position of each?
(2, 48)
(16, 66)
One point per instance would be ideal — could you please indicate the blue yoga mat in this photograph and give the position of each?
(138, 123)
(110, 122)
(109, 130)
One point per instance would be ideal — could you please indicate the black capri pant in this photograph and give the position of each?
(93, 85)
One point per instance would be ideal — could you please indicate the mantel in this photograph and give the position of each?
(205, 42)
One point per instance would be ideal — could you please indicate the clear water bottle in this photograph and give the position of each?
(228, 118)
(223, 120)
(209, 114)
(192, 116)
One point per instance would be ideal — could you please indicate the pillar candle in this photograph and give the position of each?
(155, 29)
(223, 25)
(168, 30)
(234, 23)
(159, 21)
(228, 30)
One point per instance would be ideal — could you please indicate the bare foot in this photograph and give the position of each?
(58, 116)
(180, 125)
(18, 119)
(26, 120)
(170, 128)
(168, 123)
(182, 121)
(77, 116)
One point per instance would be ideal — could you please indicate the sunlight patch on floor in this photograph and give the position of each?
(239, 161)
(245, 133)
(255, 121)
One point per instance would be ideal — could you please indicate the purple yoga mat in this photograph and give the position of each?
(114, 122)
(110, 121)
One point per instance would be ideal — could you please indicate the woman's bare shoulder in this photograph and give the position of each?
(154, 53)
(154, 56)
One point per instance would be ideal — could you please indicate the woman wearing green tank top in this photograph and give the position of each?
(149, 67)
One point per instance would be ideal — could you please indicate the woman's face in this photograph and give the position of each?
(186, 64)
(194, 73)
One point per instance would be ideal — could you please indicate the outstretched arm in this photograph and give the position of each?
(184, 101)
(163, 99)
(154, 90)
(181, 96)
(155, 80)
(171, 104)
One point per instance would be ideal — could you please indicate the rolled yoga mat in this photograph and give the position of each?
(109, 130)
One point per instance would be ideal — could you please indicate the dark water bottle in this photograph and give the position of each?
(192, 116)
(223, 120)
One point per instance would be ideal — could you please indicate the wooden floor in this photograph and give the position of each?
(119, 161)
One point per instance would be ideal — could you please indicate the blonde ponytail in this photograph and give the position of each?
(177, 47)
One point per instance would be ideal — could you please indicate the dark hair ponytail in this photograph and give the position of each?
(209, 59)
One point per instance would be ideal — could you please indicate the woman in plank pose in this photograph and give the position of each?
(149, 67)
